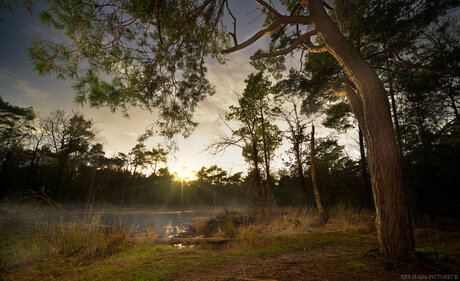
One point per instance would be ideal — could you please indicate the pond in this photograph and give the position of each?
(167, 223)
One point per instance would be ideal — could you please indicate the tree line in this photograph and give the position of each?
(58, 157)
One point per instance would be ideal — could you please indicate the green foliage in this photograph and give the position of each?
(16, 130)
(212, 175)
(358, 265)
(136, 53)
(336, 117)
(256, 112)
(16, 125)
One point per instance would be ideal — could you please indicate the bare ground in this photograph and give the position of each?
(324, 262)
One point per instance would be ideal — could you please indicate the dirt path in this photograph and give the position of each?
(328, 262)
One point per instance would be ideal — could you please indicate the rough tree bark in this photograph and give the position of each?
(322, 215)
(394, 229)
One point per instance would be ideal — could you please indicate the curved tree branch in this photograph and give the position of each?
(294, 44)
(272, 27)
(233, 34)
(419, 66)
(269, 8)
(282, 20)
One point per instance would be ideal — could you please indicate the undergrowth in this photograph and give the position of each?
(75, 240)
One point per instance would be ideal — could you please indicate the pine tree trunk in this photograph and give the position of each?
(319, 205)
(394, 229)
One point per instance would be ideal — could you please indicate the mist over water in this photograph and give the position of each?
(166, 223)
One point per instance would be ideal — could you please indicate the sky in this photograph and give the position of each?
(20, 85)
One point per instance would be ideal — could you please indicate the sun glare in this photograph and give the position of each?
(185, 174)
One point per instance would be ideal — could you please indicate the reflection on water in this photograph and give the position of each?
(171, 230)
(182, 246)
(166, 223)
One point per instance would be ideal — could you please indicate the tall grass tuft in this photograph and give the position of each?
(76, 240)
(351, 220)
(90, 240)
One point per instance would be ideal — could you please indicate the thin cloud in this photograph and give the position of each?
(25, 87)
(132, 134)
(21, 85)
(37, 31)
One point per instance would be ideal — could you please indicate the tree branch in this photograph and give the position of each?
(282, 20)
(315, 49)
(269, 8)
(272, 27)
(419, 66)
(327, 6)
(233, 34)
(294, 44)
(221, 145)
(157, 16)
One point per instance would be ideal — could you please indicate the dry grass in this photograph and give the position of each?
(285, 221)
(148, 238)
(351, 220)
(206, 227)
(91, 240)
(277, 222)
(76, 240)
(290, 222)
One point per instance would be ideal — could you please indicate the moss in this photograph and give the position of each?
(431, 254)
(270, 250)
(358, 265)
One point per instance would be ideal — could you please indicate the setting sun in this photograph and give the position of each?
(185, 174)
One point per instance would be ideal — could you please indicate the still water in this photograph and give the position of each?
(165, 222)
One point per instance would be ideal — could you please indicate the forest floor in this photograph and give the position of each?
(282, 250)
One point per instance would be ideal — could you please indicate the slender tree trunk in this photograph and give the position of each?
(60, 174)
(367, 189)
(394, 229)
(301, 176)
(454, 107)
(395, 118)
(322, 215)
(256, 183)
(447, 90)
(32, 164)
(394, 107)
(123, 196)
(33, 177)
(92, 187)
(301, 187)
(267, 159)
(214, 195)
